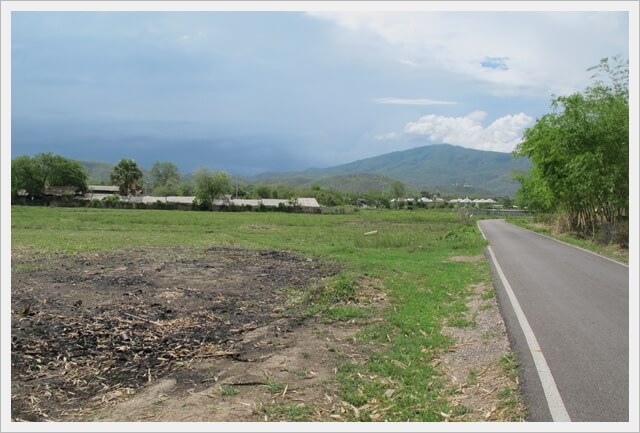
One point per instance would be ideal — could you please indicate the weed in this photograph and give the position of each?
(473, 377)
(460, 321)
(286, 412)
(488, 336)
(485, 307)
(488, 294)
(344, 313)
(510, 364)
(228, 390)
(275, 387)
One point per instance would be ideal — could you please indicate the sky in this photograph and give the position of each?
(249, 92)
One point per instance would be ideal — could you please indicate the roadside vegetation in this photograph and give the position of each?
(553, 226)
(580, 159)
(411, 265)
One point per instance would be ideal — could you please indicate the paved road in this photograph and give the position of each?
(577, 305)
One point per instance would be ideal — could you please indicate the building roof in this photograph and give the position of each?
(103, 188)
(245, 202)
(274, 202)
(308, 202)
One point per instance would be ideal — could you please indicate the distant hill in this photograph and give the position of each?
(356, 183)
(441, 167)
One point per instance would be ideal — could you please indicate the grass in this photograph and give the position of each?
(286, 411)
(611, 251)
(409, 256)
(228, 390)
(275, 387)
(488, 294)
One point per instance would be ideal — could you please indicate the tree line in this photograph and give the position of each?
(34, 176)
(580, 156)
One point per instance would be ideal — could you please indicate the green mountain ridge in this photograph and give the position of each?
(441, 167)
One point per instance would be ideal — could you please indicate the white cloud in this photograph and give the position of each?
(547, 51)
(404, 101)
(501, 136)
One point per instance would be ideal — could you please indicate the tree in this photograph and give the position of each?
(44, 170)
(580, 153)
(211, 186)
(185, 189)
(262, 191)
(398, 189)
(165, 178)
(126, 175)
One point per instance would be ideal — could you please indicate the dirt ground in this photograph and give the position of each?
(88, 330)
(154, 334)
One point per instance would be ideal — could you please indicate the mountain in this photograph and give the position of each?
(356, 183)
(440, 167)
(443, 168)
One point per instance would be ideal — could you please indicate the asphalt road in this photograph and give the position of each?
(577, 305)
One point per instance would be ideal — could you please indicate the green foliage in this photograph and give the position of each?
(46, 170)
(580, 154)
(165, 178)
(398, 189)
(440, 168)
(127, 175)
(185, 189)
(275, 387)
(262, 191)
(211, 186)
(340, 289)
(287, 411)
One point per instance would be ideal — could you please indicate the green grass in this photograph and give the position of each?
(286, 411)
(275, 387)
(409, 255)
(228, 390)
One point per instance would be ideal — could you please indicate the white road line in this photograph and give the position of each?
(574, 246)
(554, 400)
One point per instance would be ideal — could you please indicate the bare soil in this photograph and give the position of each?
(92, 330)
(482, 386)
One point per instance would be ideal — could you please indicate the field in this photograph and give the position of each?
(123, 315)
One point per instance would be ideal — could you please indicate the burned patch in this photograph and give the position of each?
(88, 329)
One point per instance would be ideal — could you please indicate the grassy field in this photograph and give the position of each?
(410, 255)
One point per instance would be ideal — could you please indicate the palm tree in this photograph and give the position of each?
(126, 175)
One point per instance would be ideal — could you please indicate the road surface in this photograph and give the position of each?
(575, 307)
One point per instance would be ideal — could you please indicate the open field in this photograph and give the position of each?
(129, 315)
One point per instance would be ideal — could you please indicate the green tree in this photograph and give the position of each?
(398, 189)
(211, 186)
(45, 170)
(165, 178)
(185, 189)
(580, 153)
(127, 175)
(262, 191)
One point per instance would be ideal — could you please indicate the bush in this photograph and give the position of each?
(621, 234)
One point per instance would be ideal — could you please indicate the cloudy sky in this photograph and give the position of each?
(248, 92)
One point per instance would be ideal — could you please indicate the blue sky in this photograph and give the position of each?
(248, 92)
